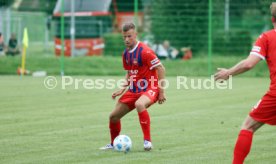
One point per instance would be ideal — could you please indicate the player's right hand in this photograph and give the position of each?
(222, 74)
(117, 93)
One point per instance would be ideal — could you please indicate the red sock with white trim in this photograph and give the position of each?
(115, 128)
(144, 119)
(243, 145)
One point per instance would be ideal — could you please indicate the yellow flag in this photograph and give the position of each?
(25, 45)
(25, 38)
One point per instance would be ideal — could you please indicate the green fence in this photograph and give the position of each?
(184, 23)
(235, 25)
(229, 29)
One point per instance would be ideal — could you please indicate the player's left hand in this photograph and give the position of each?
(222, 74)
(161, 98)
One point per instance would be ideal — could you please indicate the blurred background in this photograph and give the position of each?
(176, 30)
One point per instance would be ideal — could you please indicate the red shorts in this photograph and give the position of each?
(265, 109)
(130, 98)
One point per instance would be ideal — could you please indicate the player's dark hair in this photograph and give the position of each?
(128, 26)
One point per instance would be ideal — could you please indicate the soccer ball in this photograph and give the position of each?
(122, 143)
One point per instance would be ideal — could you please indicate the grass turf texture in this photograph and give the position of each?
(68, 126)
(107, 65)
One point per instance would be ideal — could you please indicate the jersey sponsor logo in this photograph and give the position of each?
(133, 72)
(256, 49)
(154, 61)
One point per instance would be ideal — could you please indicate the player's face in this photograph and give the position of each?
(129, 38)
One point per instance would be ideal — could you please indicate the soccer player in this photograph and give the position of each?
(145, 81)
(264, 112)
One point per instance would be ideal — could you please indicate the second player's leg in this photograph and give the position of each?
(244, 141)
(251, 125)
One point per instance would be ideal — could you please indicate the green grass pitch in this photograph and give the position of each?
(38, 125)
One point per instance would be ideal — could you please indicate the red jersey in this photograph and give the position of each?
(265, 48)
(140, 63)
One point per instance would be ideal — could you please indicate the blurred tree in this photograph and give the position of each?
(124, 6)
(185, 23)
(239, 6)
(182, 23)
(50, 5)
(5, 3)
(38, 6)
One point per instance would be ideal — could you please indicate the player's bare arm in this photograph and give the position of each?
(161, 76)
(123, 88)
(241, 67)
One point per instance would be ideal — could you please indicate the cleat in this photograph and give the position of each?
(107, 147)
(147, 145)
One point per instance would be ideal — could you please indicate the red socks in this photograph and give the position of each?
(144, 119)
(243, 145)
(115, 128)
